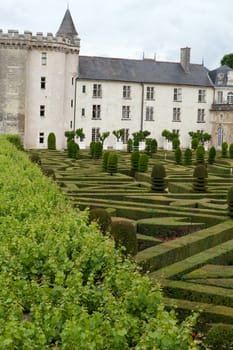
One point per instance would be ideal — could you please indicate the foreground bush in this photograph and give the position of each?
(63, 285)
(124, 234)
(200, 175)
(158, 175)
(102, 217)
(220, 337)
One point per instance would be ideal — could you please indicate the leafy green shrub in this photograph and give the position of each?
(112, 163)
(153, 146)
(143, 163)
(194, 143)
(178, 155)
(51, 141)
(102, 217)
(124, 234)
(98, 149)
(224, 149)
(200, 154)
(220, 337)
(69, 136)
(129, 145)
(15, 140)
(230, 201)
(212, 155)
(73, 149)
(175, 143)
(188, 156)
(231, 151)
(135, 160)
(35, 158)
(105, 160)
(200, 175)
(92, 149)
(49, 172)
(158, 174)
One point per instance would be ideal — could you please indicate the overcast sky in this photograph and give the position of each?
(127, 28)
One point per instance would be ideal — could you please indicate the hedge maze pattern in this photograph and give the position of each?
(185, 239)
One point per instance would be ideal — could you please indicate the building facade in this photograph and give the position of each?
(47, 86)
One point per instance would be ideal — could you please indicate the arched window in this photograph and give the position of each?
(220, 137)
(230, 97)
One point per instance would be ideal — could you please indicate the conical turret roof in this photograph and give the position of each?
(67, 28)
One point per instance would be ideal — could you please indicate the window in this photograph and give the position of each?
(219, 97)
(176, 114)
(220, 137)
(41, 138)
(95, 132)
(43, 83)
(97, 90)
(150, 93)
(72, 81)
(84, 89)
(176, 131)
(177, 94)
(125, 112)
(42, 110)
(125, 136)
(71, 124)
(44, 58)
(201, 115)
(149, 113)
(126, 91)
(83, 112)
(71, 103)
(230, 97)
(96, 111)
(201, 95)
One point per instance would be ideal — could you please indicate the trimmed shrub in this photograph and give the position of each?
(224, 149)
(92, 149)
(143, 163)
(153, 146)
(98, 149)
(124, 234)
(102, 217)
(200, 154)
(188, 156)
(231, 151)
(112, 163)
(51, 141)
(175, 143)
(73, 149)
(129, 145)
(178, 156)
(69, 135)
(194, 143)
(158, 174)
(35, 158)
(212, 155)
(220, 337)
(200, 175)
(135, 160)
(230, 201)
(105, 160)
(15, 140)
(49, 173)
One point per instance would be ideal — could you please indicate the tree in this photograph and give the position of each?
(119, 134)
(80, 134)
(227, 60)
(103, 136)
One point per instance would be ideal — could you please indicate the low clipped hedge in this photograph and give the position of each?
(63, 285)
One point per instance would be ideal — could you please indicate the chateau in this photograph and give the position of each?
(47, 86)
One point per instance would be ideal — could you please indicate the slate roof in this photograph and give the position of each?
(141, 71)
(219, 76)
(67, 27)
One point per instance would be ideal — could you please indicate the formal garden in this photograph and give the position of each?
(170, 210)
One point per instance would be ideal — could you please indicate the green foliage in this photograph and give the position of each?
(201, 136)
(102, 217)
(135, 160)
(35, 158)
(63, 285)
(69, 135)
(92, 149)
(16, 140)
(195, 143)
(112, 163)
(169, 135)
(140, 136)
(105, 160)
(188, 156)
(129, 145)
(178, 156)
(48, 172)
(200, 175)
(103, 136)
(175, 143)
(153, 146)
(119, 134)
(143, 163)
(158, 174)
(73, 149)
(220, 337)
(230, 201)
(231, 151)
(51, 141)
(227, 60)
(224, 149)
(212, 155)
(80, 134)
(124, 234)
(97, 150)
(200, 154)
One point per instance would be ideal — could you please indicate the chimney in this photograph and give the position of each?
(185, 58)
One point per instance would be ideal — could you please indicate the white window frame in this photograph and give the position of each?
(42, 110)
(44, 58)
(177, 94)
(126, 92)
(125, 136)
(230, 98)
(150, 93)
(125, 112)
(97, 90)
(41, 138)
(201, 115)
(96, 112)
(95, 133)
(43, 83)
(176, 114)
(201, 95)
(149, 113)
